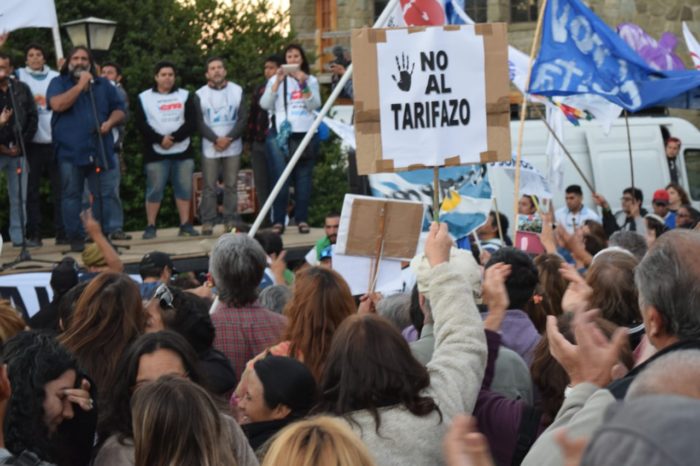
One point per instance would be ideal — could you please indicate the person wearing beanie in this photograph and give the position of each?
(63, 277)
(280, 390)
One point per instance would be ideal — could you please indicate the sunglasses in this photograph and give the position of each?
(164, 297)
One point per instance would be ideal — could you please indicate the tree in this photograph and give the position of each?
(186, 33)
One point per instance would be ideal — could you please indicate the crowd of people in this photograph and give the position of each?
(71, 127)
(580, 350)
(582, 354)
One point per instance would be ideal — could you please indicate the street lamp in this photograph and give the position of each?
(93, 33)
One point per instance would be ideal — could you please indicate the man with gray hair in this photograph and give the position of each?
(668, 280)
(243, 327)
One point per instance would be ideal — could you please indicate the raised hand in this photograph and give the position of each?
(404, 81)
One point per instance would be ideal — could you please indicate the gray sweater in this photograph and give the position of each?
(456, 371)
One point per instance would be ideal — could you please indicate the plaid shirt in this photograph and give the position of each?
(242, 333)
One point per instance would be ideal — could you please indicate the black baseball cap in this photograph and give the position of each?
(154, 262)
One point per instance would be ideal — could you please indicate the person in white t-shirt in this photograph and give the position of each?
(575, 213)
(40, 156)
(222, 121)
(291, 96)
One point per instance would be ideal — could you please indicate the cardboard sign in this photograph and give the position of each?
(431, 96)
(369, 224)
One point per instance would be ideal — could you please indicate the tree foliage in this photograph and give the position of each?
(243, 32)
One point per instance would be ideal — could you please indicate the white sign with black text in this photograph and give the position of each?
(432, 95)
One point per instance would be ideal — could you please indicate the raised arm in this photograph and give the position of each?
(457, 367)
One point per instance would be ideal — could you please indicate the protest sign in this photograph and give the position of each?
(374, 227)
(431, 96)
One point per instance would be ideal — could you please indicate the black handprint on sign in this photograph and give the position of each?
(404, 81)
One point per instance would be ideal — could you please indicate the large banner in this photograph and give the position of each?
(465, 193)
(29, 292)
(431, 96)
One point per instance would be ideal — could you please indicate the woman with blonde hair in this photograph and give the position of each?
(316, 441)
(175, 422)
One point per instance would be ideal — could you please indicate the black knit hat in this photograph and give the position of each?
(287, 381)
(64, 275)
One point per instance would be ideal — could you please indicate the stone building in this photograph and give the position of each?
(321, 24)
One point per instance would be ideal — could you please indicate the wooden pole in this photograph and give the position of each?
(523, 113)
(498, 221)
(436, 194)
(570, 157)
(629, 147)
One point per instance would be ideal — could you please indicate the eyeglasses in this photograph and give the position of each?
(164, 297)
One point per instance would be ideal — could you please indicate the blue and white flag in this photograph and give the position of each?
(580, 54)
(465, 194)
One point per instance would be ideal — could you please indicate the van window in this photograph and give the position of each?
(692, 168)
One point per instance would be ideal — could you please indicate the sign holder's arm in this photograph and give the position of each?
(310, 134)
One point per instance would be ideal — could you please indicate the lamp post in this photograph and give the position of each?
(94, 33)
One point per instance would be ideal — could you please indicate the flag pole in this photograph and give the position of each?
(381, 21)
(57, 43)
(523, 113)
(629, 147)
(561, 144)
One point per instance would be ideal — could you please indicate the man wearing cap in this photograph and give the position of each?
(660, 203)
(156, 267)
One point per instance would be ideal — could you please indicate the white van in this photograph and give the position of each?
(605, 159)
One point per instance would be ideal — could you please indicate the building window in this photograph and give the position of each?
(326, 21)
(523, 11)
(476, 10)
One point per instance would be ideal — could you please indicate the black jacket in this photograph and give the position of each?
(25, 113)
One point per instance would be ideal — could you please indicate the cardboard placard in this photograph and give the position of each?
(431, 103)
(368, 225)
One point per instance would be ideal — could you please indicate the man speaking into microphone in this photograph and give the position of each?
(15, 93)
(82, 102)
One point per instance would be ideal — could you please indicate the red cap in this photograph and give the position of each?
(661, 195)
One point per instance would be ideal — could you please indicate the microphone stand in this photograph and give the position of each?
(102, 165)
(24, 255)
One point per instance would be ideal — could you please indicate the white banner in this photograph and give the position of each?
(17, 14)
(432, 96)
(31, 291)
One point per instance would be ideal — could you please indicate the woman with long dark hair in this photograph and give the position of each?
(108, 317)
(50, 412)
(148, 358)
(292, 95)
(397, 406)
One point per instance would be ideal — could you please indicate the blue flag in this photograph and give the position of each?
(465, 194)
(580, 54)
